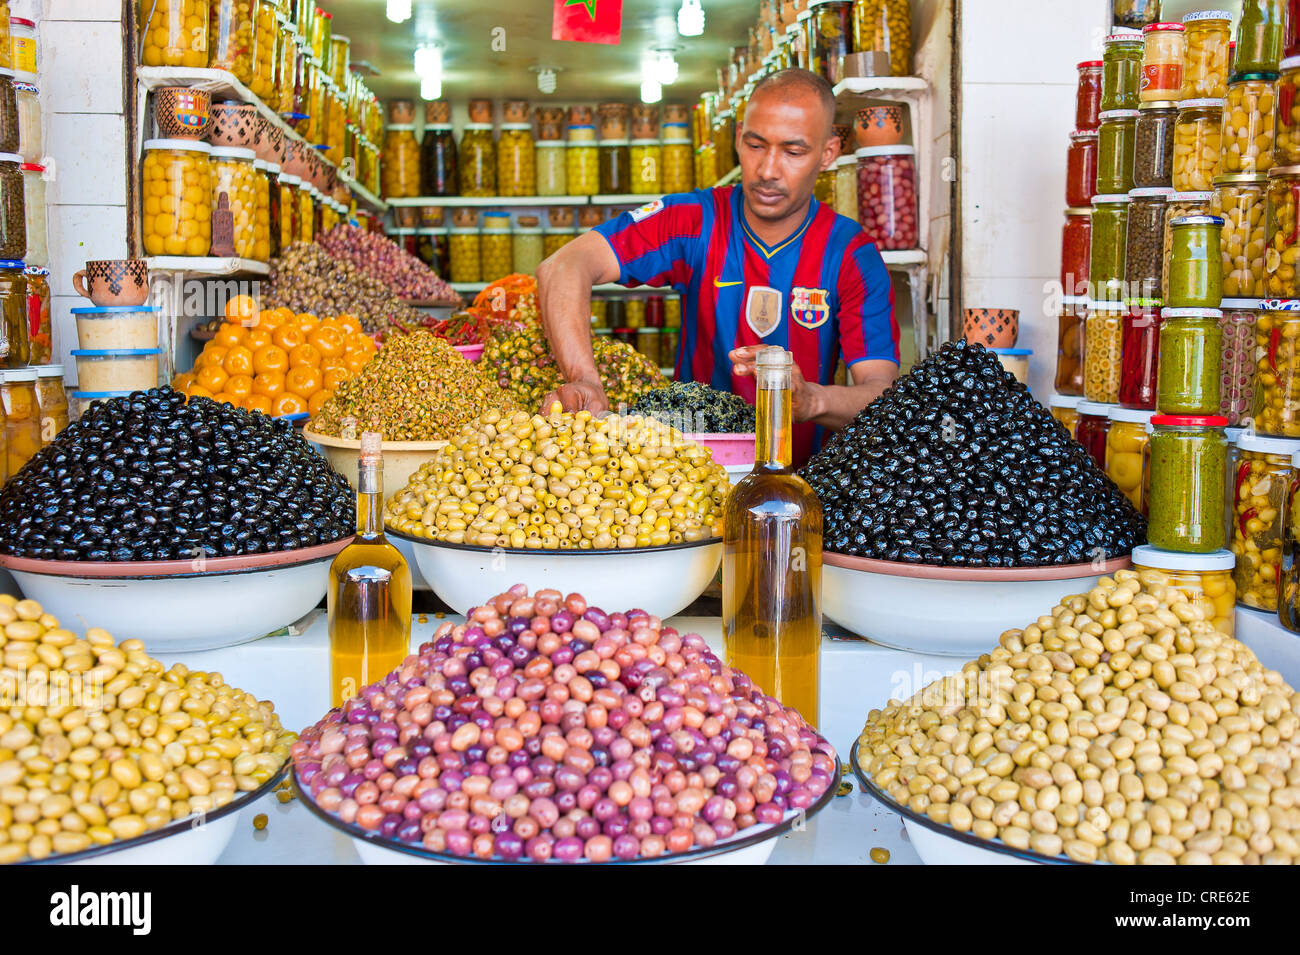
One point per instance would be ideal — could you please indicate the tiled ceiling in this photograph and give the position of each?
(587, 71)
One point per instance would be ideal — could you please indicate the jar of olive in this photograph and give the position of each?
(1241, 202)
(476, 166)
(1126, 444)
(1288, 604)
(465, 250)
(1277, 374)
(1248, 123)
(1283, 252)
(1195, 263)
(1286, 143)
(1198, 144)
(516, 160)
(1106, 266)
(1203, 579)
(1261, 487)
(1190, 349)
(401, 167)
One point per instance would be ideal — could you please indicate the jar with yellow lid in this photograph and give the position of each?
(1207, 61)
(551, 167)
(1203, 579)
(177, 197)
(173, 32)
(22, 416)
(51, 402)
(1126, 453)
(465, 251)
(306, 212)
(1249, 117)
(1261, 488)
(646, 157)
(401, 166)
(516, 162)
(289, 226)
(476, 166)
(234, 176)
(261, 212)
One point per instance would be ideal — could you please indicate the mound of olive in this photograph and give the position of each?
(152, 477)
(958, 465)
(695, 408)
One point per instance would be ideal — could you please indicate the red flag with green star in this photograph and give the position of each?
(587, 21)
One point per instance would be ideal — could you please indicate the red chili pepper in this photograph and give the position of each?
(1243, 471)
(1274, 339)
(1244, 519)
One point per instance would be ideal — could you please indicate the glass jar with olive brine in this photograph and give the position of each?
(1106, 266)
(1188, 472)
(1260, 36)
(1121, 71)
(1195, 263)
(1191, 342)
(1116, 142)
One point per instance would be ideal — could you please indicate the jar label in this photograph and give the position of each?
(1162, 76)
(24, 53)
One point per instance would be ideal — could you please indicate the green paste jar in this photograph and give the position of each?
(1195, 263)
(1121, 71)
(1116, 145)
(1188, 479)
(1191, 350)
(1260, 36)
(1106, 263)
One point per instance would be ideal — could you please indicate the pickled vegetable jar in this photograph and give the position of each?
(306, 212)
(1094, 422)
(1286, 146)
(401, 167)
(829, 31)
(496, 254)
(582, 168)
(516, 164)
(15, 345)
(1087, 96)
(887, 200)
(1181, 204)
(6, 38)
(1140, 351)
(1277, 374)
(1204, 579)
(615, 164)
(846, 187)
(1188, 467)
(527, 249)
(1109, 236)
(34, 214)
(261, 212)
(266, 50)
(1262, 486)
(1103, 336)
(177, 197)
(1241, 202)
(555, 238)
(1116, 145)
(1205, 69)
(438, 161)
(31, 135)
(40, 324)
(646, 156)
(1069, 346)
(173, 32)
(884, 25)
(1076, 249)
(1191, 345)
(824, 187)
(233, 175)
(22, 419)
(1126, 445)
(1144, 245)
(1283, 251)
(679, 168)
(51, 402)
(288, 221)
(1064, 409)
(1121, 71)
(1260, 35)
(1291, 36)
(1162, 62)
(477, 164)
(1195, 263)
(551, 179)
(1198, 144)
(1248, 123)
(230, 37)
(1237, 359)
(1081, 169)
(1136, 13)
(465, 250)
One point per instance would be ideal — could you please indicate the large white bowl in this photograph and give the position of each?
(958, 611)
(401, 458)
(180, 606)
(666, 578)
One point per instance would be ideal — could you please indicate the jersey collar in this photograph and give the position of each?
(765, 250)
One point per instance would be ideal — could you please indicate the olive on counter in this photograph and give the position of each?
(695, 408)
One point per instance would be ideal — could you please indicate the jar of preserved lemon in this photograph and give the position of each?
(22, 420)
(516, 162)
(678, 158)
(266, 50)
(233, 175)
(306, 212)
(290, 227)
(177, 201)
(173, 32)
(261, 211)
(1126, 452)
(476, 166)
(465, 249)
(286, 64)
(401, 165)
(496, 249)
(647, 162)
(582, 168)
(1204, 579)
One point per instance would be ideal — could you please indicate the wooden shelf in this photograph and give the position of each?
(488, 201)
(207, 265)
(904, 258)
(479, 286)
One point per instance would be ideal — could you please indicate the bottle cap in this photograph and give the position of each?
(372, 453)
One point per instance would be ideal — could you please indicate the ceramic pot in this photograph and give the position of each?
(991, 327)
(516, 111)
(437, 112)
(431, 217)
(460, 218)
(879, 126)
(590, 216)
(234, 124)
(845, 133)
(295, 158)
(580, 115)
(677, 113)
(182, 113)
(480, 111)
(614, 120)
(113, 282)
(270, 142)
(401, 111)
(561, 217)
(407, 217)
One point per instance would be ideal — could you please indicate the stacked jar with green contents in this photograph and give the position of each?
(1260, 36)
(1106, 266)
(1116, 146)
(1181, 204)
(1188, 474)
(1126, 445)
(1121, 71)
(1190, 350)
(1261, 488)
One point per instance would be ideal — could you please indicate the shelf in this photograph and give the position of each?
(625, 199)
(481, 201)
(881, 87)
(904, 258)
(479, 286)
(222, 83)
(207, 265)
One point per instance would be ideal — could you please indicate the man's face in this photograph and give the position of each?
(785, 142)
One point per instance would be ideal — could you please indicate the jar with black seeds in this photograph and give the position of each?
(1144, 245)
(1153, 155)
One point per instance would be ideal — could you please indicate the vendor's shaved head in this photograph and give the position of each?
(796, 83)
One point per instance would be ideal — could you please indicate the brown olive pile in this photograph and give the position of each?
(306, 279)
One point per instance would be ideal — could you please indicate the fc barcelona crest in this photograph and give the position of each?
(763, 310)
(808, 307)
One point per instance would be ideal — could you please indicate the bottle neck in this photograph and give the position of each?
(774, 446)
(370, 501)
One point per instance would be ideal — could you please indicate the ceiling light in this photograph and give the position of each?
(666, 68)
(431, 87)
(651, 91)
(399, 11)
(546, 80)
(690, 18)
(428, 61)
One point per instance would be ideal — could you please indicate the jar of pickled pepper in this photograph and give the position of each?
(1094, 422)
(40, 326)
(1262, 486)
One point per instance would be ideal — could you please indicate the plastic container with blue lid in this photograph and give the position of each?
(116, 369)
(1016, 361)
(82, 400)
(113, 309)
(117, 326)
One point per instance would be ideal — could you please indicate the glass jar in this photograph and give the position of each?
(1121, 71)
(290, 227)
(230, 38)
(1262, 486)
(829, 31)
(465, 251)
(1237, 358)
(1069, 346)
(646, 157)
(1198, 144)
(177, 197)
(1081, 169)
(1204, 579)
(1283, 253)
(40, 326)
(261, 212)
(1116, 148)
(1181, 204)
(233, 174)
(10, 136)
(1206, 66)
(1126, 445)
(173, 32)
(846, 187)
(22, 418)
(551, 179)
(1277, 374)
(31, 135)
(824, 187)
(1191, 344)
(1188, 464)
(6, 37)
(527, 249)
(51, 402)
(266, 50)
(496, 254)
(286, 62)
(1248, 124)
(1135, 14)
(1260, 35)
(883, 25)
(34, 214)
(1286, 144)
(554, 239)
(1094, 422)
(516, 165)
(1087, 96)
(1241, 202)
(1140, 352)
(887, 200)
(1109, 236)
(582, 168)
(1064, 409)
(339, 59)
(1162, 62)
(401, 166)
(1153, 149)
(438, 161)
(679, 163)
(477, 163)
(1195, 263)
(306, 212)
(615, 167)
(431, 248)
(1076, 249)
(1144, 245)
(1103, 338)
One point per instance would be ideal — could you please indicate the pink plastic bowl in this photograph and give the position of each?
(471, 352)
(727, 448)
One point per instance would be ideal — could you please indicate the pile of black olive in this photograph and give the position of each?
(958, 465)
(152, 477)
(695, 408)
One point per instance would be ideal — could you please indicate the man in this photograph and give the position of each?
(763, 264)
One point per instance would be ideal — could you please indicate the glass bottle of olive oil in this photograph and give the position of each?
(772, 556)
(369, 597)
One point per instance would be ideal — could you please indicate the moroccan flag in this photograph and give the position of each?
(587, 21)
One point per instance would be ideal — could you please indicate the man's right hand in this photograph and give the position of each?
(584, 394)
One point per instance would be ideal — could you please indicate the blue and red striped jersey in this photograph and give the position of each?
(823, 293)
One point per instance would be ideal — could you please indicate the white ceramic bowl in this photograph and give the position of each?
(401, 458)
(197, 840)
(959, 611)
(664, 578)
(180, 606)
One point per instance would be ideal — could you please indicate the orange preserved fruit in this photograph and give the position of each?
(288, 403)
(241, 386)
(355, 361)
(328, 341)
(198, 391)
(241, 309)
(268, 318)
(212, 377)
(304, 354)
(318, 399)
(307, 322)
(302, 380)
(182, 381)
(239, 361)
(269, 383)
(258, 403)
(226, 397)
(288, 337)
(256, 338)
(348, 323)
(229, 335)
(270, 358)
(334, 375)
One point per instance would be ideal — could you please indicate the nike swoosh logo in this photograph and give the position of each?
(718, 284)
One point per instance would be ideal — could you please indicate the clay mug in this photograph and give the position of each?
(113, 282)
(992, 327)
(182, 113)
(234, 124)
(879, 126)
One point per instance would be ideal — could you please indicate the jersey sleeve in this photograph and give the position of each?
(868, 327)
(656, 244)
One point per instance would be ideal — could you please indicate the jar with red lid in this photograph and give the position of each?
(1087, 95)
(1076, 250)
(1162, 62)
(1094, 423)
(887, 202)
(1081, 168)
(1069, 345)
(1139, 358)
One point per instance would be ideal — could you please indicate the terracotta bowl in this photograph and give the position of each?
(295, 160)
(992, 327)
(879, 126)
(401, 111)
(234, 124)
(270, 145)
(182, 113)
